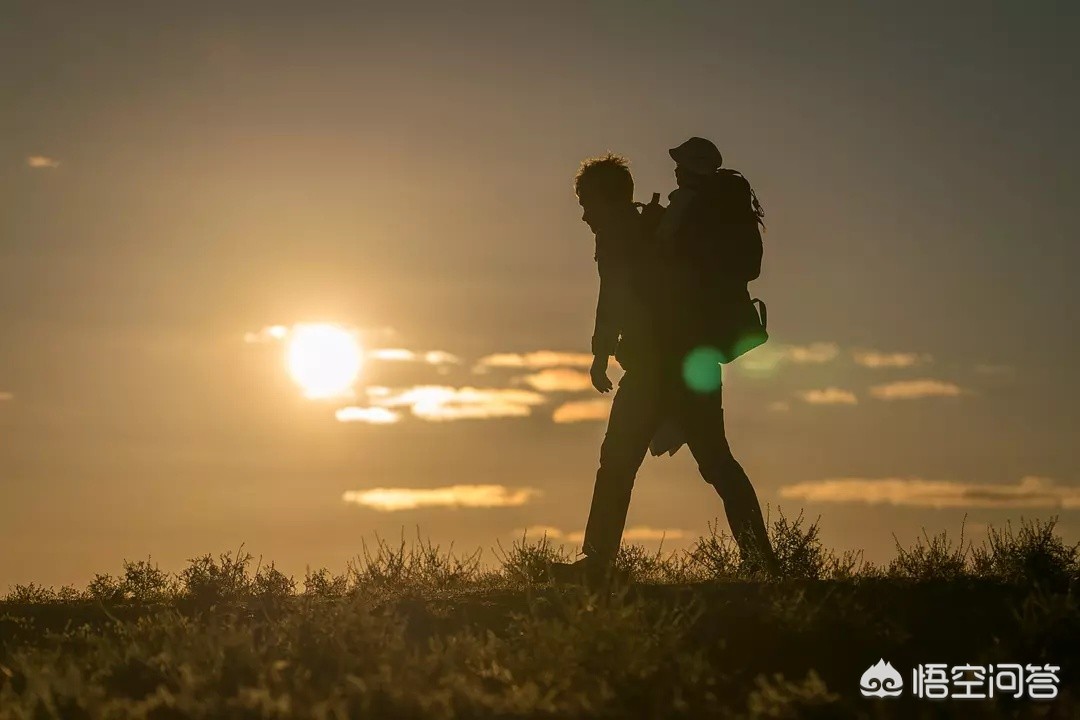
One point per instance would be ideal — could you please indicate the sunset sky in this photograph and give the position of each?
(184, 186)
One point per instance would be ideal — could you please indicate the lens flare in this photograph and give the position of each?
(701, 369)
(323, 359)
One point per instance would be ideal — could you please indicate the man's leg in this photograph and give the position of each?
(702, 415)
(633, 421)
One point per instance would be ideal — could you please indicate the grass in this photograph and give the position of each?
(410, 630)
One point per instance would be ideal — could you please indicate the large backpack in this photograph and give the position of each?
(740, 214)
(738, 323)
(744, 320)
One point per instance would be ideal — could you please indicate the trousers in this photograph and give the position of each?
(643, 399)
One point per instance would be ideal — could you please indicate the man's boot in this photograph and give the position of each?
(756, 557)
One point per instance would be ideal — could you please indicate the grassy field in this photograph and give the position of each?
(411, 631)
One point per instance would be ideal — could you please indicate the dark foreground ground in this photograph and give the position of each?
(410, 632)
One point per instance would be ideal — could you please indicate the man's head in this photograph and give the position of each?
(695, 159)
(603, 185)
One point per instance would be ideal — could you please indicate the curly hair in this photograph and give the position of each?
(606, 177)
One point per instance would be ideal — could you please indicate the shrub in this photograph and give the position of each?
(798, 549)
(642, 566)
(31, 594)
(324, 584)
(801, 554)
(207, 581)
(778, 698)
(610, 656)
(716, 554)
(422, 566)
(145, 582)
(934, 559)
(1034, 554)
(1048, 624)
(529, 562)
(272, 585)
(105, 588)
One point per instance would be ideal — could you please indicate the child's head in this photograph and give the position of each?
(603, 184)
(695, 160)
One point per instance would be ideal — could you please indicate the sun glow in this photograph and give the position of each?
(323, 359)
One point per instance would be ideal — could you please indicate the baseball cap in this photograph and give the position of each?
(697, 155)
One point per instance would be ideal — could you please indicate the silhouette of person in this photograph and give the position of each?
(622, 326)
(654, 309)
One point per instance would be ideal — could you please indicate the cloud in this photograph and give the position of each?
(913, 389)
(537, 359)
(453, 496)
(875, 359)
(582, 411)
(637, 532)
(42, 161)
(391, 354)
(370, 415)
(432, 357)
(769, 357)
(540, 531)
(270, 333)
(1029, 492)
(439, 357)
(643, 532)
(829, 396)
(815, 353)
(438, 402)
(6, 396)
(559, 379)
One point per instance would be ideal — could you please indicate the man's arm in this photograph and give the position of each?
(608, 324)
(611, 302)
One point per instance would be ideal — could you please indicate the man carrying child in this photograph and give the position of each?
(659, 289)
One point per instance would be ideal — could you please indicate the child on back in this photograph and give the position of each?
(710, 237)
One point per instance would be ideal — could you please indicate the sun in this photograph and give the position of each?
(323, 359)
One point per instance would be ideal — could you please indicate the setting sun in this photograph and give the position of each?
(323, 359)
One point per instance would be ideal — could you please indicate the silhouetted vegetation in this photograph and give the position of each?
(410, 630)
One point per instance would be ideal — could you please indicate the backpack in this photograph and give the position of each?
(738, 324)
(744, 322)
(737, 210)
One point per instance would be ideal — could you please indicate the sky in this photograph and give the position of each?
(185, 186)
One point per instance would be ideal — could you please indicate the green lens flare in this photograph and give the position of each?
(701, 369)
